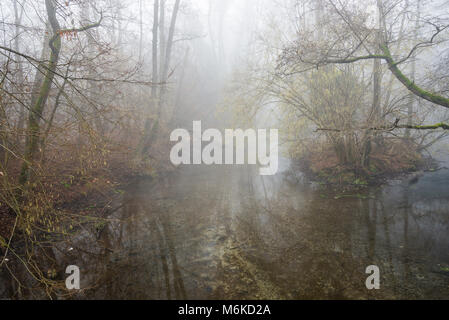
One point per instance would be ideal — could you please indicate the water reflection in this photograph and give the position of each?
(228, 233)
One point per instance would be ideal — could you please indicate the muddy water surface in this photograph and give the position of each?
(225, 232)
(228, 233)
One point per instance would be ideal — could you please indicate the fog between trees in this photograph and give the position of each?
(90, 91)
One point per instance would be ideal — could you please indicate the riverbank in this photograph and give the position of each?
(324, 168)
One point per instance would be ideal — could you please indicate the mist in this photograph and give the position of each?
(224, 149)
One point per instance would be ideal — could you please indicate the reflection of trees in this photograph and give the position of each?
(168, 257)
(369, 208)
(320, 249)
(405, 251)
(297, 246)
(153, 270)
(134, 256)
(335, 240)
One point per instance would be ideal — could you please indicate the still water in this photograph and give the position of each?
(225, 232)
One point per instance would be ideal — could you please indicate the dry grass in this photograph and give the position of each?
(399, 157)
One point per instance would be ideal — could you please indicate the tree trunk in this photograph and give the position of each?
(20, 76)
(93, 91)
(162, 41)
(174, 118)
(37, 109)
(140, 31)
(374, 118)
(40, 71)
(412, 101)
(164, 75)
(145, 141)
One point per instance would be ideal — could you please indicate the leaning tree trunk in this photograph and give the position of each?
(36, 111)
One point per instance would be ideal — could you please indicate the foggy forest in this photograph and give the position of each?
(349, 101)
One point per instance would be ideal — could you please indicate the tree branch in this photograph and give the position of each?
(392, 127)
(410, 85)
(392, 65)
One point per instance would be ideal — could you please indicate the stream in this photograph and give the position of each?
(225, 232)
